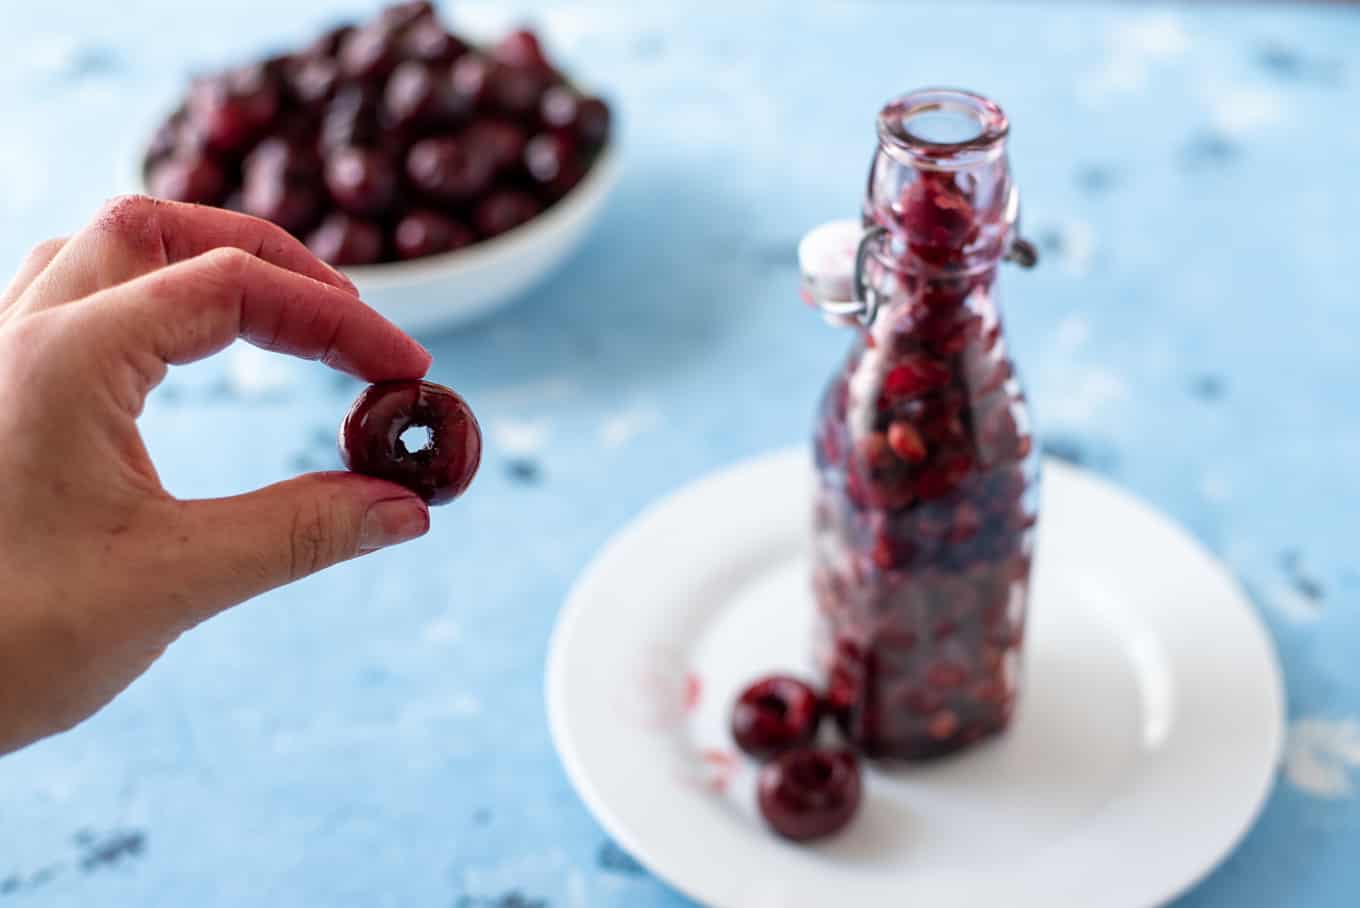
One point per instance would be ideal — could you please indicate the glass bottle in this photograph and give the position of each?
(927, 469)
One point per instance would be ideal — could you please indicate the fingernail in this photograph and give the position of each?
(393, 521)
(345, 282)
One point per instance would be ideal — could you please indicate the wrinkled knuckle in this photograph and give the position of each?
(229, 262)
(316, 540)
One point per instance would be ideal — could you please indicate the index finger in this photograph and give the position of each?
(193, 309)
(136, 234)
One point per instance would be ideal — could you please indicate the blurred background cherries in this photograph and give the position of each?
(391, 139)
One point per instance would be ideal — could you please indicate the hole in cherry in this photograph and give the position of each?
(773, 704)
(416, 438)
(942, 126)
(812, 773)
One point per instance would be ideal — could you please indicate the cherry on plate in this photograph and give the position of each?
(374, 438)
(775, 714)
(809, 793)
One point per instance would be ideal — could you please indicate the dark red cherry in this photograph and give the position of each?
(471, 78)
(422, 233)
(231, 110)
(344, 240)
(450, 169)
(401, 16)
(417, 95)
(547, 155)
(328, 44)
(809, 793)
(503, 140)
(361, 181)
(428, 42)
(517, 91)
(565, 110)
(375, 438)
(313, 80)
(592, 121)
(282, 157)
(188, 178)
(521, 48)
(351, 118)
(369, 53)
(505, 210)
(293, 205)
(775, 714)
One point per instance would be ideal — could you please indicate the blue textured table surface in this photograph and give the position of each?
(376, 736)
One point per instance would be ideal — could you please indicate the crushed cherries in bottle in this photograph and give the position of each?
(925, 508)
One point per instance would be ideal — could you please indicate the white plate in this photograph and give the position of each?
(1146, 740)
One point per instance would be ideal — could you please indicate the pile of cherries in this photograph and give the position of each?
(805, 792)
(924, 518)
(392, 139)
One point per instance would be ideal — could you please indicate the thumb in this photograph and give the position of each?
(231, 549)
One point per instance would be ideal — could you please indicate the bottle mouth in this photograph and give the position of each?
(942, 126)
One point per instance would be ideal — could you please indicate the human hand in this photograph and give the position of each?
(100, 568)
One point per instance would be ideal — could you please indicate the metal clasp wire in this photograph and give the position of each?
(863, 306)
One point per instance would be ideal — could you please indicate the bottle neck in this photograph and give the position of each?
(940, 185)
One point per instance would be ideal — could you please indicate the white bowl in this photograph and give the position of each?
(445, 290)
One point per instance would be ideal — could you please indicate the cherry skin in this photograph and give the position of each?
(547, 155)
(449, 169)
(371, 438)
(361, 181)
(368, 53)
(809, 793)
(416, 96)
(294, 206)
(232, 109)
(343, 240)
(774, 715)
(586, 118)
(521, 48)
(422, 233)
(428, 42)
(187, 178)
(503, 211)
(503, 141)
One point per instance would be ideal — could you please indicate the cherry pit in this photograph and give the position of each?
(387, 140)
(374, 438)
